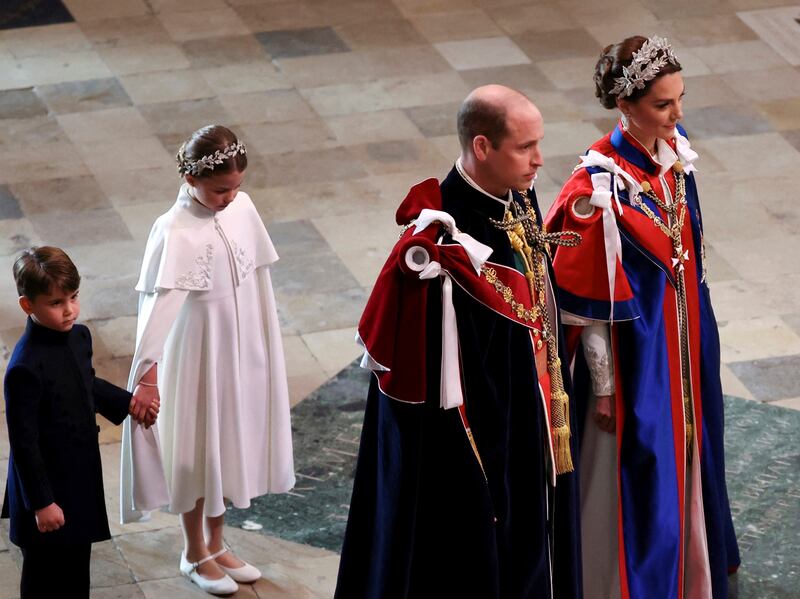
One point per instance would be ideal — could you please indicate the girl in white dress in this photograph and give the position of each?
(208, 343)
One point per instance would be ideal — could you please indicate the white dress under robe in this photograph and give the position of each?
(207, 316)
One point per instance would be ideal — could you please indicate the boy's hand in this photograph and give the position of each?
(145, 404)
(49, 518)
(604, 413)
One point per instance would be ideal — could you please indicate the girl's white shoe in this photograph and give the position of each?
(246, 574)
(219, 586)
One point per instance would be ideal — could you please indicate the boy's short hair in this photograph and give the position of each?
(38, 269)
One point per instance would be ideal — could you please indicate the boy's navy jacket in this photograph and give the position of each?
(52, 395)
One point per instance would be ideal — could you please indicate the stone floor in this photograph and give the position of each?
(343, 105)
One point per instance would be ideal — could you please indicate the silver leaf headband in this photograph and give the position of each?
(647, 62)
(196, 167)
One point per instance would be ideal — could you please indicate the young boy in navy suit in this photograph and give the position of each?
(54, 493)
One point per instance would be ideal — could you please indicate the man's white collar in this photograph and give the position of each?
(468, 179)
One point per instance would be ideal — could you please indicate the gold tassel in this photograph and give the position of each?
(559, 419)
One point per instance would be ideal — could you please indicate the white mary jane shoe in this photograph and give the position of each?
(245, 574)
(220, 586)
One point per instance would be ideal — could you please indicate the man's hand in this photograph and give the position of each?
(145, 404)
(604, 413)
(49, 518)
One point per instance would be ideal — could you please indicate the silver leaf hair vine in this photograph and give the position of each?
(647, 62)
(196, 167)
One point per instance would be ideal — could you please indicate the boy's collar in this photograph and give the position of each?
(41, 332)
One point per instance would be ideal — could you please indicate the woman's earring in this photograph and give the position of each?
(625, 121)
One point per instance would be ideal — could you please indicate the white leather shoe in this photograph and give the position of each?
(219, 586)
(246, 574)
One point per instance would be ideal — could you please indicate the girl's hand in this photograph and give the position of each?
(49, 518)
(604, 413)
(145, 404)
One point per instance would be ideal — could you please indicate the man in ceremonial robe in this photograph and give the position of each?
(465, 484)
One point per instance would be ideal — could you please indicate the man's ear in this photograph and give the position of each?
(480, 147)
(26, 304)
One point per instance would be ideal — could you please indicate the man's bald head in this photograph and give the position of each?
(485, 112)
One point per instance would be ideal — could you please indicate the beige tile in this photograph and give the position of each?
(757, 338)
(729, 297)
(528, 16)
(127, 60)
(128, 591)
(707, 30)
(274, 106)
(280, 15)
(201, 24)
(87, 10)
(108, 567)
(139, 218)
(117, 334)
(777, 26)
(44, 161)
(752, 258)
(765, 84)
(383, 125)
(10, 575)
(103, 156)
(739, 56)
(156, 185)
(455, 25)
(70, 194)
(619, 24)
(783, 114)
(709, 90)
(378, 32)
(303, 370)
(569, 73)
(334, 350)
(386, 94)
(244, 78)
(12, 74)
(181, 588)
(125, 31)
(314, 166)
(362, 65)
(568, 138)
(732, 385)
(691, 63)
(166, 86)
(102, 125)
(401, 155)
(170, 6)
(481, 53)
(278, 138)
(792, 404)
(50, 39)
(16, 235)
(447, 145)
(67, 66)
(364, 255)
(768, 154)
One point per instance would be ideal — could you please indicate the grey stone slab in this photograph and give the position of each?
(80, 228)
(523, 76)
(770, 379)
(152, 555)
(723, 121)
(9, 206)
(314, 166)
(127, 591)
(224, 51)
(552, 45)
(307, 312)
(31, 131)
(109, 299)
(20, 104)
(82, 96)
(290, 43)
(793, 137)
(184, 117)
(793, 320)
(108, 567)
(298, 237)
(435, 120)
(68, 194)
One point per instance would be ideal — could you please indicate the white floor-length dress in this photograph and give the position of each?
(207, 316)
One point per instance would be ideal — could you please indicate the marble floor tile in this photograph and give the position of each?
(726, 120)
(792, 404)
(380, 126)
(279, 138)
(100, 125)
(352, 12)
(461, 24)
(570, 73)
(108, 567)
(688, 8)
(401, 155)
(707, 30)
(223, 51)
(72, 194)
(756, 339)
(184, 116)
(768, 154)
(434, 120)
(380, 31)
(770, 379)
(9, 206)
(89, 228)
(557, 168)
(10, 574)
(12, 75)
(755, 257)
(127, 60)
(552, 45)
(569, 139)
(524, 77)
(16, 235)
(783, 114)
(141, 186)
(273, 106)
(170, 6)
(180, 588)
(401, 92)
(363, 65)
(319, 311)
(517, 19)
(166, 86)
(312, 41)
(20, 104)
(334, 350)
(481, 53)
(59, 68)
(202, 24)
(717, 268)
(37, 41)
(82, 96)
(118, 335)
(739, 56)
(778, 27)
(312, 166)
(86, 10)
(733, 386)
(103, 156)
(109, 299)
(33, 131)
(709, 90)
(765, 84)
(244, 78)
(793, 137)
(303, 371)
(128, 591)
(279, 16)
(115, 32)
(49, 160)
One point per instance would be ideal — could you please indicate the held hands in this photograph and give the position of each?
(604, 415)
(49, 518)
(145, 404)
